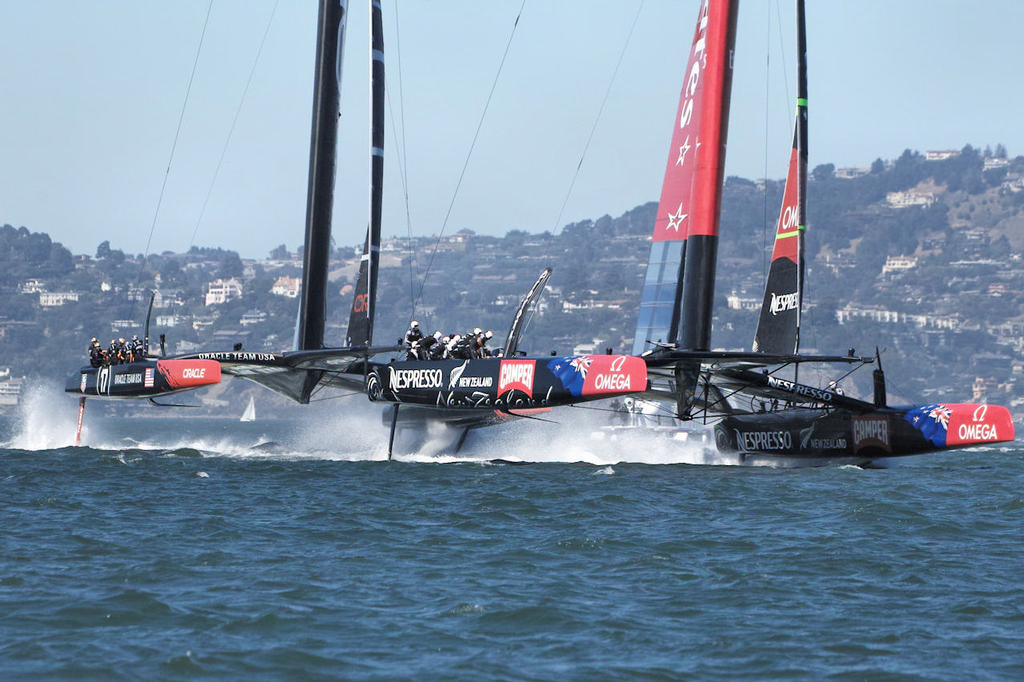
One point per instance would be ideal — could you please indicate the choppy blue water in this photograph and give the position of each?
(170, 549)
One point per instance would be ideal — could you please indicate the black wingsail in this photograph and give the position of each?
(311, 365)
(309, 332)
(778, 328)
(360, 322)
(514, 332)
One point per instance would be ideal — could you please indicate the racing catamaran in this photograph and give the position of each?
(466, 393)
(760, 415)
(311, 365)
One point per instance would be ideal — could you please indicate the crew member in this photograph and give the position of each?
(427, 344)
(136, 349)
(451, 346)
(438, 350)
(476, 345)
(464, 348)
(96, 355)
(412, 338)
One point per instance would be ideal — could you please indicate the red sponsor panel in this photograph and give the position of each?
(615, 375)
(871, 431)
(518, 375)
(189, 373)
(789, 223)
(972, 423)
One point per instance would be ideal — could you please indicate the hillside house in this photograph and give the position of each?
(49, 299)
(909, 198)
(223, 290)
(288, 287)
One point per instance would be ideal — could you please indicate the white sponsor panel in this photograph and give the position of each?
(132, 378)
(237, 356)
(819, 394)
(789, 218)
(415, 378)
(103, 380)
(781, 303)
(969, 432)
(764, 440)
(476, 382)
(612, 382)
(516, 374)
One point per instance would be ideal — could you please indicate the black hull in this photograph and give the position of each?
(145, 379)
(453, 388)
(820, 436)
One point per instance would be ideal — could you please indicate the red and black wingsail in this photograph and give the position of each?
(678, 295)
(786, 420)
(678, 292)
(778, 328)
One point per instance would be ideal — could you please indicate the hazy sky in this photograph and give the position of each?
(93, 92)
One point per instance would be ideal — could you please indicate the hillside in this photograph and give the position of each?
(919, 256)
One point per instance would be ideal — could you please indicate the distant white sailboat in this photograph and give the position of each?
(250, 411)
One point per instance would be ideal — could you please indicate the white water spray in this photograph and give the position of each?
(46, 418)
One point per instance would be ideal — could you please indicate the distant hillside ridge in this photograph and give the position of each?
(920, 256)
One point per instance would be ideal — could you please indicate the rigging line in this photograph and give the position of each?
(336, 397)
(662, 411)
(768, 228)
(469, 154)
(402, 153)
(234, 122)
(403, 174)
(787, 102)
(600, 110)
(791, 116)
(177, 134)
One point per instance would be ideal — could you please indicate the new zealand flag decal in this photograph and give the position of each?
(932, 421)
(572, 372)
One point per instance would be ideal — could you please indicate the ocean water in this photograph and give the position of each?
(194, 548)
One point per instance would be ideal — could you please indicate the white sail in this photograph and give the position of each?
(250, 411)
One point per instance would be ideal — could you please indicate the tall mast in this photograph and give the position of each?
(309, 332)
(801, 135)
